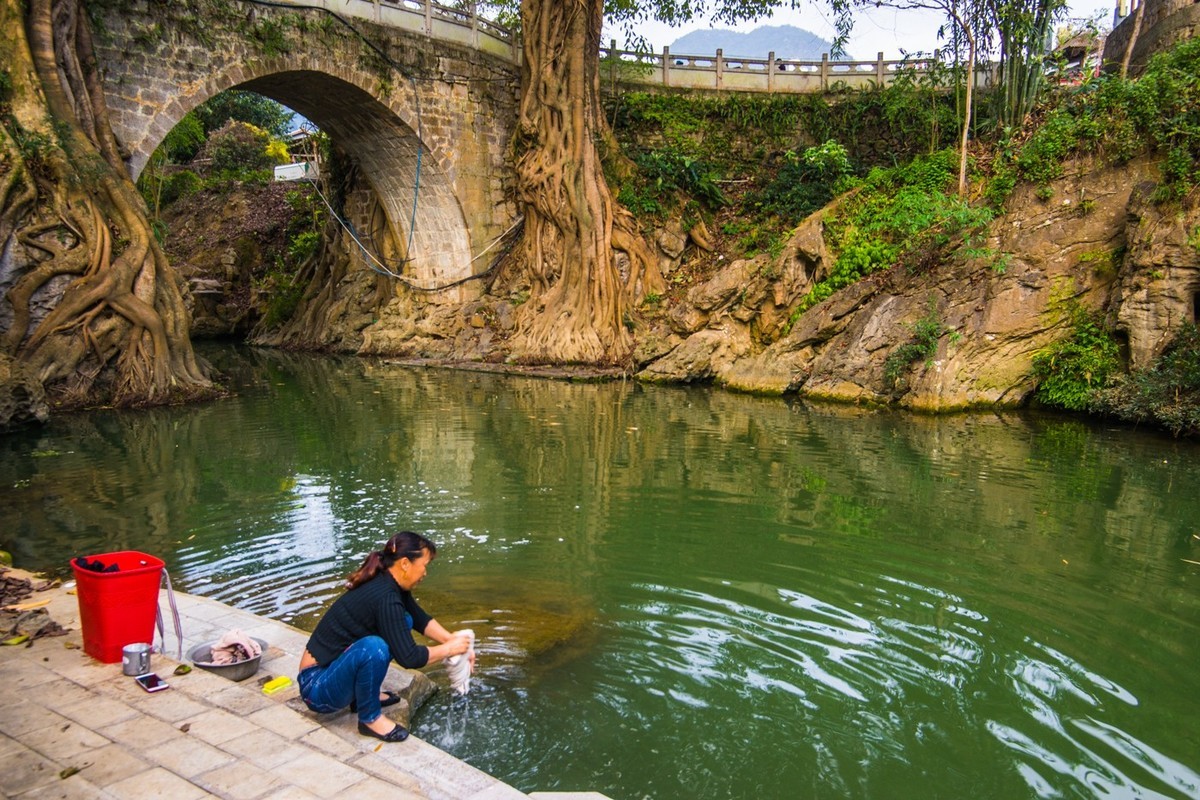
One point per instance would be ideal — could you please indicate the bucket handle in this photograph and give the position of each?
(158, 619)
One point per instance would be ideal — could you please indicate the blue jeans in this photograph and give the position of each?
(356, 675)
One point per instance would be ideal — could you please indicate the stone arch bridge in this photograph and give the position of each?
(424, 103)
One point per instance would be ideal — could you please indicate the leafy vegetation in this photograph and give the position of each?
(184, 141)
(1166, 394)
(1071, 372)
(664, 176)
(926, 332)
(235, 104)
(906, 215)
(735, 133)
(282, 293)
(238, 147)
(1116, 119)
(751, 154)
(804, 184)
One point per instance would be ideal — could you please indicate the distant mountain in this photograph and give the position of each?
(786, 41)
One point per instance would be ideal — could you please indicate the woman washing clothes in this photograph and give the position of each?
(366, 629)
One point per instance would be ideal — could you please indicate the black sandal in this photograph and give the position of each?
(396, 734)
(392, 699)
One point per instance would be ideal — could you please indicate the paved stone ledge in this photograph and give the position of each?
(72, 727)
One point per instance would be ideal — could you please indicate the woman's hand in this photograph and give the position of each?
(458, 644)
(452, 646)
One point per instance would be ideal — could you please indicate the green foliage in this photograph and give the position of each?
(922, 346)
(1117, 119)
(271, 35)
(304, 228)
(238, 147)
(1166, 394)
(915, 113)
(756, 237)
(304, 245)
(1023, 28)
(664, 176)
(179, 184)
(184, 140)
(235, 104)
(1072, 371)
(308, 212)
(903, 215)
(283, 294)
(804, 184)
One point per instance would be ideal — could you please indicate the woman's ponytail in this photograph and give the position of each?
(404, 544)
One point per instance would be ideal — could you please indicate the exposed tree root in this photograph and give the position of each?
(579, 303)
(118, 332)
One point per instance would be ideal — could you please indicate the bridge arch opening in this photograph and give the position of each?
(397, 165)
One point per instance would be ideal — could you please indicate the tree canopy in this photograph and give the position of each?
(235, 104)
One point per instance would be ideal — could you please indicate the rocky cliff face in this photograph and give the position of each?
(1098, 240)
(1159, 284)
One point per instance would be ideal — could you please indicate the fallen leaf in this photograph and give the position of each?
(183, 669)
(68, 772)
(27, 606)
(15, 640)
(185, 727)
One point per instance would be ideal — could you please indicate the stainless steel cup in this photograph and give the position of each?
(135, 659)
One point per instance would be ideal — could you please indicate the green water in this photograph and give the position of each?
(685, 593)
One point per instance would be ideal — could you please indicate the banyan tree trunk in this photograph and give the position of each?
(579, 297)
(75, 232)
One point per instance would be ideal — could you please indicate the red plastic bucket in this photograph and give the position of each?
(117, 608)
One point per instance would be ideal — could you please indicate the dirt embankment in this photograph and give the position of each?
(226, 243)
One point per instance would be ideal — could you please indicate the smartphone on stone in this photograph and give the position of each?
(151, 682)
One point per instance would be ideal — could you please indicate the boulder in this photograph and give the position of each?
(1159, 287)
(702, 356)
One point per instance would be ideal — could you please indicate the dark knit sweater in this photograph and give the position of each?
(378, 607)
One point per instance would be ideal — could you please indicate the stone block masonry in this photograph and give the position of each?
(452, 104)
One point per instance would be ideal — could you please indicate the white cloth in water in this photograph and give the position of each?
(233, 647)
(458, 668)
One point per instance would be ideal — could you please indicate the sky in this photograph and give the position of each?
(891, 32)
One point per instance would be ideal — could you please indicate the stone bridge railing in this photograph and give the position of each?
(430, 18)
(770, 74)
(699, 72)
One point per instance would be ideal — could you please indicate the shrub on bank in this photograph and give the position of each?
(1071, 372)
(1116, 120)
(1166, 395)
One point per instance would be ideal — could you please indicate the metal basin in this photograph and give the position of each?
(201, 656)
